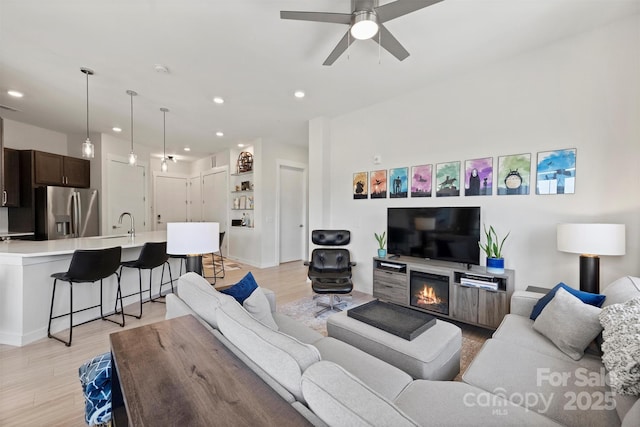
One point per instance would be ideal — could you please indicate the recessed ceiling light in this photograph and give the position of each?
(298, 94)
(15, 93)
(116, 129)
(187, 149)
(218, 100)
(219, 133)
(240, 145)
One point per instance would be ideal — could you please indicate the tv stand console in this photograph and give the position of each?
(452, 291)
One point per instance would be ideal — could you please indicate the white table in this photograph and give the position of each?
(26, 285)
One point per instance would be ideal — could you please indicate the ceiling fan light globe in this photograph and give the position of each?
(365, 25)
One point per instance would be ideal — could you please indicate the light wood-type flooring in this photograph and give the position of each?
(39, 382)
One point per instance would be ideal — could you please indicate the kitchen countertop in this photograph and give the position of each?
(30, 248)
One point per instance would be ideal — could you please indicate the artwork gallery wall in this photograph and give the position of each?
(581, 93)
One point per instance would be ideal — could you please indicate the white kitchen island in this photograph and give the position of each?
(26, 285)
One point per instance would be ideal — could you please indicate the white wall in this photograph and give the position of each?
(581, 93)
(22, 136)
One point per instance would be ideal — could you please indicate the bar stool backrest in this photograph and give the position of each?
(152, 255)
(93, 265)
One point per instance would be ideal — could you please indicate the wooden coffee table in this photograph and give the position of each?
(175, 372)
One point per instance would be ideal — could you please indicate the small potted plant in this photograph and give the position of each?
(382, 240)
(493, 250)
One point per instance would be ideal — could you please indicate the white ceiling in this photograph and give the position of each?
(242, 51)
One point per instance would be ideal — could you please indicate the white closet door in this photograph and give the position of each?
(127, 191)
(170, 201)
(195, 199)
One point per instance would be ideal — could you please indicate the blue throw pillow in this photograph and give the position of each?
(243, 289)
(586, 297)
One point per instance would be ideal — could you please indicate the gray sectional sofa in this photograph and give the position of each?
(333, 383)
(523, 365)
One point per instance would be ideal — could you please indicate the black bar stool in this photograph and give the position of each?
(217, 255)
(152, 255)
(87, 266)
(220, 257)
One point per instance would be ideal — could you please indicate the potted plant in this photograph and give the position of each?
(382, 240)
(493, 250)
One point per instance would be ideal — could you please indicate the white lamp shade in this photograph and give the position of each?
(592, 239)
(192, 238)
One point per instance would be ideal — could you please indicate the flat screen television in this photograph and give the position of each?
(438, 233)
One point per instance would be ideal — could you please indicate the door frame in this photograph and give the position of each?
(305, 206)
(106, 198)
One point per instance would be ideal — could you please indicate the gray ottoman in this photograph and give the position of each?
(433, 355)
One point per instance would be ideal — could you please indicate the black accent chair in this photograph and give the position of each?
(87, 266)
(330, 267)
(152, 255)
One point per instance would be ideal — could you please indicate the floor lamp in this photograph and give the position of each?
(591, 241)
(192, 239)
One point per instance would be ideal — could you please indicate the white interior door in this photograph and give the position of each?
(292, 210)
(127, 188)
(195, 199)
(215, 189)
(170, 200)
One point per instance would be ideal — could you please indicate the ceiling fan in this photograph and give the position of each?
(365, 21)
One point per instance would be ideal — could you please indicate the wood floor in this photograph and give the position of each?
(39, 382)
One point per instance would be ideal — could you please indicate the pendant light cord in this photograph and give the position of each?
(87, 74)
(131, 95)
(164, 135)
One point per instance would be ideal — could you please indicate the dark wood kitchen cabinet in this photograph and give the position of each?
(54, 169)
(11, 171)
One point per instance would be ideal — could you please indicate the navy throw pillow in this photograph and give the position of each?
(243, 289)
(586, 297)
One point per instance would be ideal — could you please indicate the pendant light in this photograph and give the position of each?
(163, 166)
(132, 156)
(88, 150)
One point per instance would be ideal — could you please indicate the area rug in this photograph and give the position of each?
(304, 311)
(207, 265)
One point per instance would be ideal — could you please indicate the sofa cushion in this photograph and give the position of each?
(201, 297)
(621, 347)
(340, 398)
(519, 330)
(283, 357)
(382, 377)
(296, 329)
(586, 297)
(258, 306)
(543, 384)
(622, 290)
(569, 323)
(460, 404)
(243, 289)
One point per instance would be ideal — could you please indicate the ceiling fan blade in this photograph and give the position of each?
(390, 43)
(390, 11)
(342, 45)
(335, 18)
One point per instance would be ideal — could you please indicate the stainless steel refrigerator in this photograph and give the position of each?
(63, 212)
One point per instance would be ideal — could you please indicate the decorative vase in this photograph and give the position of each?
(382, 253)
(495, 265)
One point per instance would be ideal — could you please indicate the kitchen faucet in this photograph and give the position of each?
(132, 230)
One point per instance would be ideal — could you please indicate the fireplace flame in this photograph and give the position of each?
(428, 296)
